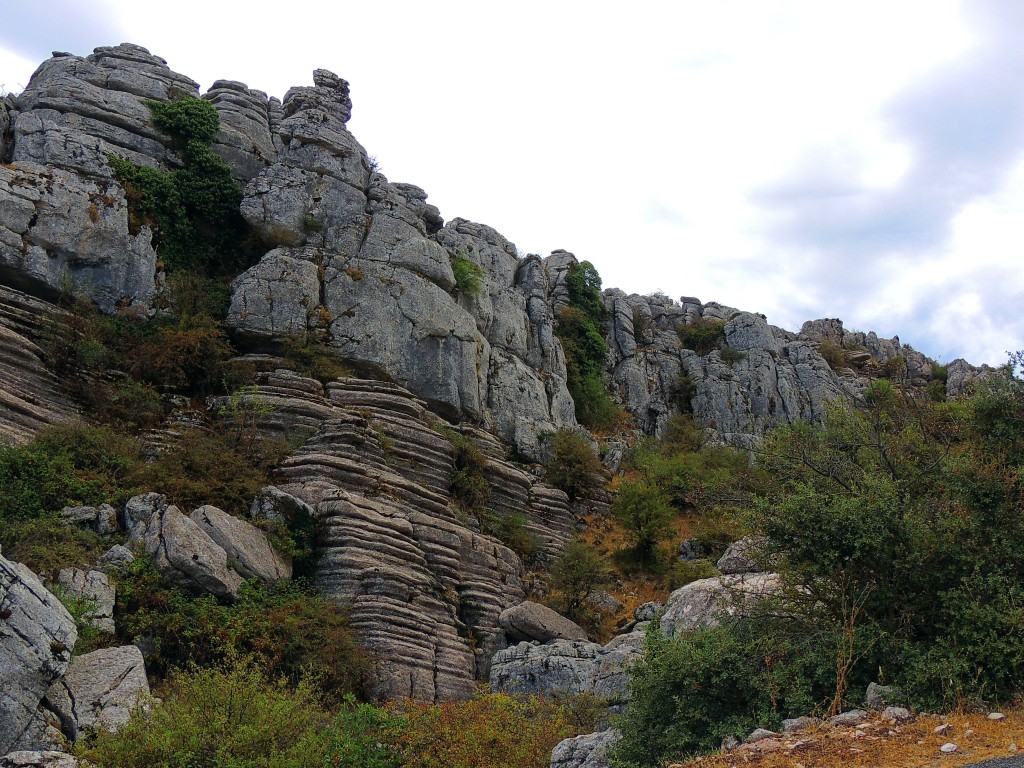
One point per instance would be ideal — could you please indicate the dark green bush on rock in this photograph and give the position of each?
(194, 211)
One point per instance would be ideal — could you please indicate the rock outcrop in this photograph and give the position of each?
(587, 751)
(569, 667)
(702, 603)
(30, 395)
(424, 585)
(99, 691)
(37, 635)
(96, 591)
(247, 547)
(533, 621)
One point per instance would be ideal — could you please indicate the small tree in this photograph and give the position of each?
(572, 465)
(642, 509)
(576, 574)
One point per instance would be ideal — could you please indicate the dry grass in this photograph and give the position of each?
(878, 744)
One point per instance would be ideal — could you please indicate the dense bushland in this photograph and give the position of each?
(235, 714)
(896, 526)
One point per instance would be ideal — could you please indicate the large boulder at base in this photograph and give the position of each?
(569, 667)
(702, 603)
(36, 637)
(587, 751)
(248, 547)
(533, 621)
(36, 759)
(100, 690)
(188, 557)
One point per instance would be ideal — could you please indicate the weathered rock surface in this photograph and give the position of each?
(38, 759)
(100, 690)
(533, 621)
(568, 667)
(95, 589)
(187, 556)
(587, 751)
(36, 637)
(117, 559)
(424, 586)
(701, 603)
(247, 547)
(30, 396)
(742, 556)
(102, 519)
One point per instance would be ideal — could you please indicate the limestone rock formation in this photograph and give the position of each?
(587, 751)
(99, 690)
(38, 759)
(187, 556)
(701, 603)
(423, 583)
(569, 667)
(30, 395)
(36, 637)
(246, 546)
(95, 589)
(533, 621)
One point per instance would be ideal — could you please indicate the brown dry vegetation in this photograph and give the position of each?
(878, 744)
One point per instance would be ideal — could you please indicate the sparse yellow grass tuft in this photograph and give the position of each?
(878, 744)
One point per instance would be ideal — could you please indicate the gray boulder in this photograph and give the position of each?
(188, 557)
(692, 549)
(274, 505)
(102, 519)
(569, 667)
(138, 512)
(880, 696)
(533, 621)
(248, 548)
(648, 611)
(36, 637)
(849, 718)
(587, 751)
(100, 690)
(742, 556)
(117, 559)
(96, 590)
(701, 603)
(795, 724)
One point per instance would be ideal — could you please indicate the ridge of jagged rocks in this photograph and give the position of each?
(365, 264)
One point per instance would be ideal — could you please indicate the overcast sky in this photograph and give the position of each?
(800, 158)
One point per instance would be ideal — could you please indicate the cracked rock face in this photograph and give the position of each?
(97, 590)
(187, 556)
(36, 637)
(99, 691)
(702, 603)
(587, 751)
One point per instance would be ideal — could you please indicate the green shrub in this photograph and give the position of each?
(730, 355)
(225, 465)
(702, 335)
(579, 329)
(642, 509)
(494, 730)
(194, 211)
(683, 572)
(469, 275)
(572, 464)
(691, 691)
(46, 544)
(72, 464)
(577, 573)
(834, 354)
(290, 628)
(512, 531)
(225, 715)
(469, 487)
